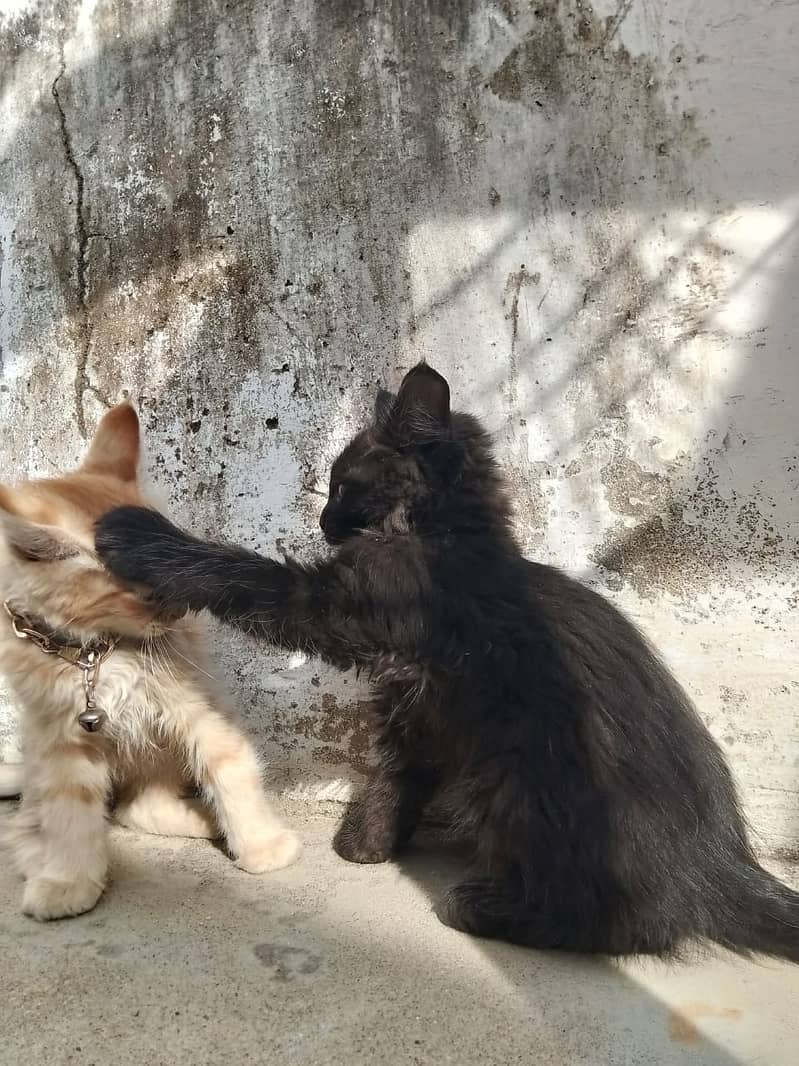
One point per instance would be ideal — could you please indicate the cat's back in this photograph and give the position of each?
(539, 625)
(498, 618)
(580, 617)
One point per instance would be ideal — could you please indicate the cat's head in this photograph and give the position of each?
(419, 466)
(48, 566)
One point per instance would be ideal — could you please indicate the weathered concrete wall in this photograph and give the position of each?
(249, 213)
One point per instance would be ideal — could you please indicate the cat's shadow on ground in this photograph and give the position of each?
(572, 1009)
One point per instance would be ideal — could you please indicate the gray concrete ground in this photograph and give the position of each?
(188, 960)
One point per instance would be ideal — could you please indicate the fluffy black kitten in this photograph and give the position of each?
(603, 814)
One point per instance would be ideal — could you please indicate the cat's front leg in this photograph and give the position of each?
(227, 769)
(69, 787)
(144, 548)
(383, 818)
(381, 821)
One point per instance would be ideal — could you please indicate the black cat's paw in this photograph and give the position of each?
(450, 910)
(356, 841)
(137, 544)
(474, 907)
(500, 910)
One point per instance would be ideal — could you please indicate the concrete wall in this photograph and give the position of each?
(250, 213)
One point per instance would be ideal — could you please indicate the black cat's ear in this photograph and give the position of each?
(421, 411)
(384, 405)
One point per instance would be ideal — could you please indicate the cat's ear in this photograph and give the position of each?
(30, 541)
(6, 501)
(384, 405)
(421, 411)
(114, 449)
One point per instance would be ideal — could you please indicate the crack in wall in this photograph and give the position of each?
(82, 384)
(517, 280)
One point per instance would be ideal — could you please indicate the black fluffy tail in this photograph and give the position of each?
(763, 914)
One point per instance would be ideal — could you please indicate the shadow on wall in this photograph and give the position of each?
(239, 188)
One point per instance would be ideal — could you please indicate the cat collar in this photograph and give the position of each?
(88, 657)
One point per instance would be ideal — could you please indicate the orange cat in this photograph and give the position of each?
(114, 707)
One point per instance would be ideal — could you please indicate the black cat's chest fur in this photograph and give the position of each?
(412, 712)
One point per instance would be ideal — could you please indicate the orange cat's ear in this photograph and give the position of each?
(6, 501)
(30, 541)
(114, 449)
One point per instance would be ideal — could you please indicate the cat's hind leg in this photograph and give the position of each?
(500, 910)
(11, 777)
(497, 910)
(158, 809)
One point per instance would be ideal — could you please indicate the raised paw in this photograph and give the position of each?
(142, 547)
(272, 853)
(45, 899)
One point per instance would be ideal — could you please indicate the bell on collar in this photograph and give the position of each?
(91, 720)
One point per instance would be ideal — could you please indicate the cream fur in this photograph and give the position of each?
(170, 758)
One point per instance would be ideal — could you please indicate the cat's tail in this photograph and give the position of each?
(10, 779)
(762, 914)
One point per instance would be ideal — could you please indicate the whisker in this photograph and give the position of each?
(191, 662)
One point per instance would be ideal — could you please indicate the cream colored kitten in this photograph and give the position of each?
(163, 730)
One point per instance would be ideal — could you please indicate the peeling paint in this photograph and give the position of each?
(343, 731)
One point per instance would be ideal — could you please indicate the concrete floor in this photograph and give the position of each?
(189, 961)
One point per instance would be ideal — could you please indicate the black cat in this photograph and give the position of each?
(603, 814)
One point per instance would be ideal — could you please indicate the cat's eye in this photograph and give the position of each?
(339, 490)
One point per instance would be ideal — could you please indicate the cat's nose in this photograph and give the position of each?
(323, 518)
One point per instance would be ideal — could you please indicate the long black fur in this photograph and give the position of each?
(604, 816)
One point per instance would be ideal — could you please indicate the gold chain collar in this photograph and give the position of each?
(88, 657)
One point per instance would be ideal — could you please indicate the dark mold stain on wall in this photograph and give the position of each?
(686, 533)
